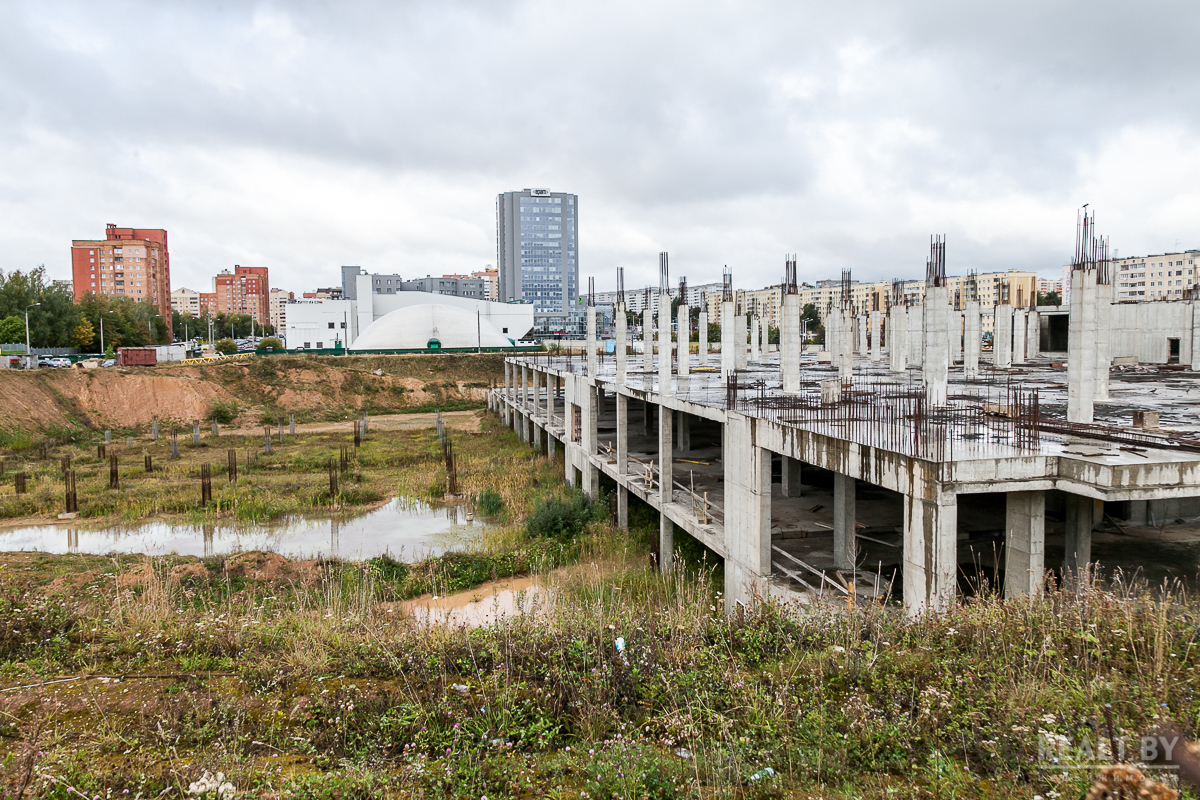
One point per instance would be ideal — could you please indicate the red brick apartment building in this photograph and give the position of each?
(245, 291)
(131, 262)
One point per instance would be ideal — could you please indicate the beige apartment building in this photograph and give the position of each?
(279, 301)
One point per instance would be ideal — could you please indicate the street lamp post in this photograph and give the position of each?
(150, 326)
(31, 305)
(101, 316)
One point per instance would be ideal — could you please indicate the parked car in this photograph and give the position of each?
(44, 362)
(112, 362)
(60, 362)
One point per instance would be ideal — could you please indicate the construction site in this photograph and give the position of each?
(900, 459)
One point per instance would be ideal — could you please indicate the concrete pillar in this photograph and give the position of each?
(1019, 336)
(765, 334)
(790, 477)
(914, 323)
(755, 329)
(1078, 532)
(747, 512)
(586, 397)
(622, 460)
(1137, 512)
(1033, 335)
(860, 334)
(683, 339)
(703, 336)
(1081, 347)
(972, 340)
(683, 433)
(666, 485)
(523, 393)
(664, 343)
(505, 411)
(876, 320)
(1002, 337)
(790, 344)
(1103, 340)
(935, 367)
(622, 325)
(648, 343)
(845, 356)
(897, 338)
(956, 337)
(728, 360)
(844, 548)
(930, 569)
(591, 342)
(740, 322)
(1024, 543)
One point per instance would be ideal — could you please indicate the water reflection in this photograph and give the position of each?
(407, 529)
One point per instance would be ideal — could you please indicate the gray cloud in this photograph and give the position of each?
(301, 136)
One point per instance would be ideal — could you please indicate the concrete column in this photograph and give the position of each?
(790, 345)
(505, 412)
(1020, 319)
(844, 547)
(648, 343)
(747, 512)
(972, 340)
(1024, 543)
(523, 393)
(1033, 335)
(956, 337)
(728, 360)
(1002, 337)
(1103, 340)
(1078, 529)
(703, 336)
(897, 338)
(935, 367)
(740, 322)
(790, 477)
(755, 329)
(875, 320)
(860, 334)
(591, 342)
(845, 356)
(666, 485)
(586, 396)
(766, 334)
(664, 343)
(683, 433)
(1137, 512)
(622, 325)
(914, 324)
(930, 546)
(622, 460)
(683, 337)
(1081, 347)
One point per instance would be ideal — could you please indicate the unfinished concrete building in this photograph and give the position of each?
(842, 474)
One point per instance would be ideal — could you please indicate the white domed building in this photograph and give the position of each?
(431, 327)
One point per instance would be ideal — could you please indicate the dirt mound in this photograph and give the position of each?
(258, 566)
(189, 573)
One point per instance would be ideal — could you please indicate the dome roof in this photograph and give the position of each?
(430, 326)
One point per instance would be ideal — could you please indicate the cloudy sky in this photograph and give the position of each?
(305, 135)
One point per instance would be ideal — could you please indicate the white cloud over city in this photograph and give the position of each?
(303, 136)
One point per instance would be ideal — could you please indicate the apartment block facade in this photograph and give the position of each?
(537, 253)
(279, 302)
(127, 262)
(246, 290)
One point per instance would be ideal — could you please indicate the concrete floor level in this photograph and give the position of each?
(852, 482)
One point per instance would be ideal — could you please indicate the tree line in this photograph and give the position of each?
(56, 320)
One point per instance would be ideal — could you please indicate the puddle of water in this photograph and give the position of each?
(407, 529)
(480, 606)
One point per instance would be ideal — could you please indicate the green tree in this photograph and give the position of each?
(12, 330)
(1049, 299)
(227, 346)
(83, 336)
(54, 317)
(270, 342)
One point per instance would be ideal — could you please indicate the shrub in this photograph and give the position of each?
(223, 411)
(226, 346)
(270, 342)
(561, 520)
(489, 503)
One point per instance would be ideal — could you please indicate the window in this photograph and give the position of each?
(331, 326)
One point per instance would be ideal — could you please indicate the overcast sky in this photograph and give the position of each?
(302, 136)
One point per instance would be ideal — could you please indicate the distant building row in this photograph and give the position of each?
(482, 285)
